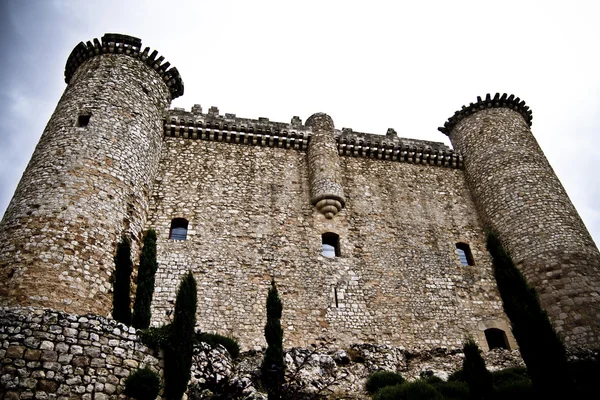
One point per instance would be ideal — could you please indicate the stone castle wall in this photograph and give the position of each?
(84, 187)
(398, 280)
(520, 197)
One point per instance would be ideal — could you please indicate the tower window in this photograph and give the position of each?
(496, 339)
(83, 120)
(179, 228)
(330, 244)
(464, 254)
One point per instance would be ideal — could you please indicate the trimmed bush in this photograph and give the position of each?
(145, 282)
(516, 390)
(156, 338)
(273, 366)
(122, 283)
(178, 351)
(142, 384)
(509, 375)
(456, 376)
(475, 373)
(381, 379)
(540, 347)
(417, 390)
(213, 339)
(453, 390)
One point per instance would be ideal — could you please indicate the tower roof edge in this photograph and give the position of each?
(498, 101)
(116, 43)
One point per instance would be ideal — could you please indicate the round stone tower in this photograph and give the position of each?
(89, 179)
(326, 190)
(518, 195)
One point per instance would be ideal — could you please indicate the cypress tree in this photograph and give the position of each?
(178, 352)
(475, 373)
(145, 288)
(273, 367)
(540, 346)
(122, 282)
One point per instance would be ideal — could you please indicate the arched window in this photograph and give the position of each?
(496, 339)
(464, 254)
(330, 245)
(179, 228)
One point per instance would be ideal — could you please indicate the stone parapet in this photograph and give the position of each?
(229, 128)
(114, 43)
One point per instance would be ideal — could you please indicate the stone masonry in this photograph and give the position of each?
(259, 195)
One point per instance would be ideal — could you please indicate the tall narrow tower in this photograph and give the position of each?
(518, 195)
(89, 179)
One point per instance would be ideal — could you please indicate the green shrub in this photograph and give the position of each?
(142, 384)
(214, 339)
(381, 379)
(516, 390)
(122, 283)
(453, 390)
(273, 366)
(417, 390)
(540, 347)
(145, 283)
(509, 375)
(456, 376)
(475, 373)
(156, 338)
(178, 351)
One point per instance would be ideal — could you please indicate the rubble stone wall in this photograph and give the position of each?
(84, 187)
(47, 354)
(519, 196)
(398, 280)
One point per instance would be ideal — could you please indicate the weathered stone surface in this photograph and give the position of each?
(518, 195)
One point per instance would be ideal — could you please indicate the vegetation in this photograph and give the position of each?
(417, 390)
(475, 373)
(156, 338)
(122, 282)
(540, 347)
(142, 384)
(381, 379)
(452, 390)
(145, 282)
(273, 366)
(178, 351)
(214, 339)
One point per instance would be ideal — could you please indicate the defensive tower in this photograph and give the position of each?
(89, 178)
(518, 195)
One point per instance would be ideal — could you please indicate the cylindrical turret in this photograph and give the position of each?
(326, 191)
(519, 196)
(89, 179)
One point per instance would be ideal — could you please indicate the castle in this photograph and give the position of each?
(371, 238)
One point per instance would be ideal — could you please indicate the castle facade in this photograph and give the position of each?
(370, 238)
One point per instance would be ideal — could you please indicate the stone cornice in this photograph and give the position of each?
(114, 43)
(261, 132)
(499, 101)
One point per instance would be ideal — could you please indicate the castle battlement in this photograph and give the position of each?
(114, 43)
(229, 128)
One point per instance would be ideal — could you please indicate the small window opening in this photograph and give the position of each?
(464, 254)
(179, 228)
(331, 245)
(336, 297)
(83, 120)
(496, 339)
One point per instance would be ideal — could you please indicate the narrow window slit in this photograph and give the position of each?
(336, 297)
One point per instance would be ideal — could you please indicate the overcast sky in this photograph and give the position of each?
(369, 64)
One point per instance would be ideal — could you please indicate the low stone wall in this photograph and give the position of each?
(45, 354)
(53, 355)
